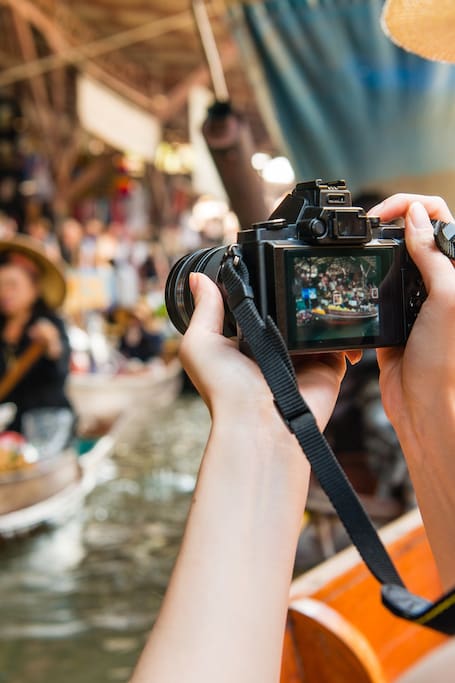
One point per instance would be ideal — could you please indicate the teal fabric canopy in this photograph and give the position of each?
(339, 98)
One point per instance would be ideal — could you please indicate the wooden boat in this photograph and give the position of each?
(50, 490)
(348, 317)
(104, 396)
(338, 631)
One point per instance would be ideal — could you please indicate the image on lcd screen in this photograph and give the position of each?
(335, 297)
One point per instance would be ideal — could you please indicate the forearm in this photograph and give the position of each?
(418, 392)
(224, 612)
(429, 449)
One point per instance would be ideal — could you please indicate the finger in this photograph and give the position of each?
(209, 309)
(398, 205)
(319, 378)
(435, 268)
(329, 364)
(389, 355)
(354, 356)
(34, 330)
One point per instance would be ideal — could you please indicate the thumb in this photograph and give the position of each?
(420, 243)
(209, 308)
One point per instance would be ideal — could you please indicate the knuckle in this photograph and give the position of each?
(438, 202)
(438, 208)
(400, 196)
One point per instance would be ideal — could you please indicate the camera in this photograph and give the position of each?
(331, 277)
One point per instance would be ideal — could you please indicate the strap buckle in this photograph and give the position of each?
(298, 414)
(239, 289)
(234, 252)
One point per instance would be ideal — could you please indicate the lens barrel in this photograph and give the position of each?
(178, 297)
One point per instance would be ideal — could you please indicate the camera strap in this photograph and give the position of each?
(269, 350)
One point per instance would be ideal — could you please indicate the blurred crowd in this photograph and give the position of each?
(135, 265)
(116, 276)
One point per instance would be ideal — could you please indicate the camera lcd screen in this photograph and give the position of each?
(335, 298)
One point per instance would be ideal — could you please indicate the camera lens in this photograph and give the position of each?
(178, 297)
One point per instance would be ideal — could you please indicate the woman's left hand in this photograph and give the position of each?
(44, 332)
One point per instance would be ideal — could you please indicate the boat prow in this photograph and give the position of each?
(105, 396)
(51, 492)
(338, 629)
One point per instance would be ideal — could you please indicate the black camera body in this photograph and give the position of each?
(330, 276)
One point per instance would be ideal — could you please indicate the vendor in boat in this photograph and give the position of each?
(139, 341)
(31, 290)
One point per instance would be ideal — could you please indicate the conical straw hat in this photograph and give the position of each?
(425, 27)
(52, 279)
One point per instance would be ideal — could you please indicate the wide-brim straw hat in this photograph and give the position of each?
(51, 278)
(425, 27)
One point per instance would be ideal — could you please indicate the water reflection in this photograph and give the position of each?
(77, 602)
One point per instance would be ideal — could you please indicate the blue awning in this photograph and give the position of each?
(339, 98)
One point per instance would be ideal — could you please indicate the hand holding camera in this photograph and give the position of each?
(418, 380)
(331, 277)
(365, 284)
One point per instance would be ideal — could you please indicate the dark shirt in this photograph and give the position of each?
(43, 386)
(148, 346)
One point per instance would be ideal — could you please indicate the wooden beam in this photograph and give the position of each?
(67, 161)
(85, 180)
(177, 98)
(7, 60)
(163, 106)
(59, 88)
(37, 85)
(85, 54)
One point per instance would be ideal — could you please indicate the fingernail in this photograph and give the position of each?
(419, 216)
(193, 281)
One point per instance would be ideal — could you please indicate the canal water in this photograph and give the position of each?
(77, 602)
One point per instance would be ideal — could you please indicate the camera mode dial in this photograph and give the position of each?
(444, 235)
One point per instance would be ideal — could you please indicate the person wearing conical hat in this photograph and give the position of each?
(32, 288)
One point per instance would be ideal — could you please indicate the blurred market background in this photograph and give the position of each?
(130, 134)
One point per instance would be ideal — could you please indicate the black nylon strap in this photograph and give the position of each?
(270, 353)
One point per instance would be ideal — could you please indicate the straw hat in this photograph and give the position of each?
(426, 27)
(51, 278)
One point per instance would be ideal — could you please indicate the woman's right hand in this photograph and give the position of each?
(420, 376)
(47, 334)
(418, 381)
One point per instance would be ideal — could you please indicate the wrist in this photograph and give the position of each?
(254, 426)
(428, 453)
(253, 447)
(427, 427)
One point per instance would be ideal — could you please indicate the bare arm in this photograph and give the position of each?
(224, 612)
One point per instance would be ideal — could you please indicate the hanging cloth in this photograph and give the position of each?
(338, 97)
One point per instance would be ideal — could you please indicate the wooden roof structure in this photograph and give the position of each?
(148, 51)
